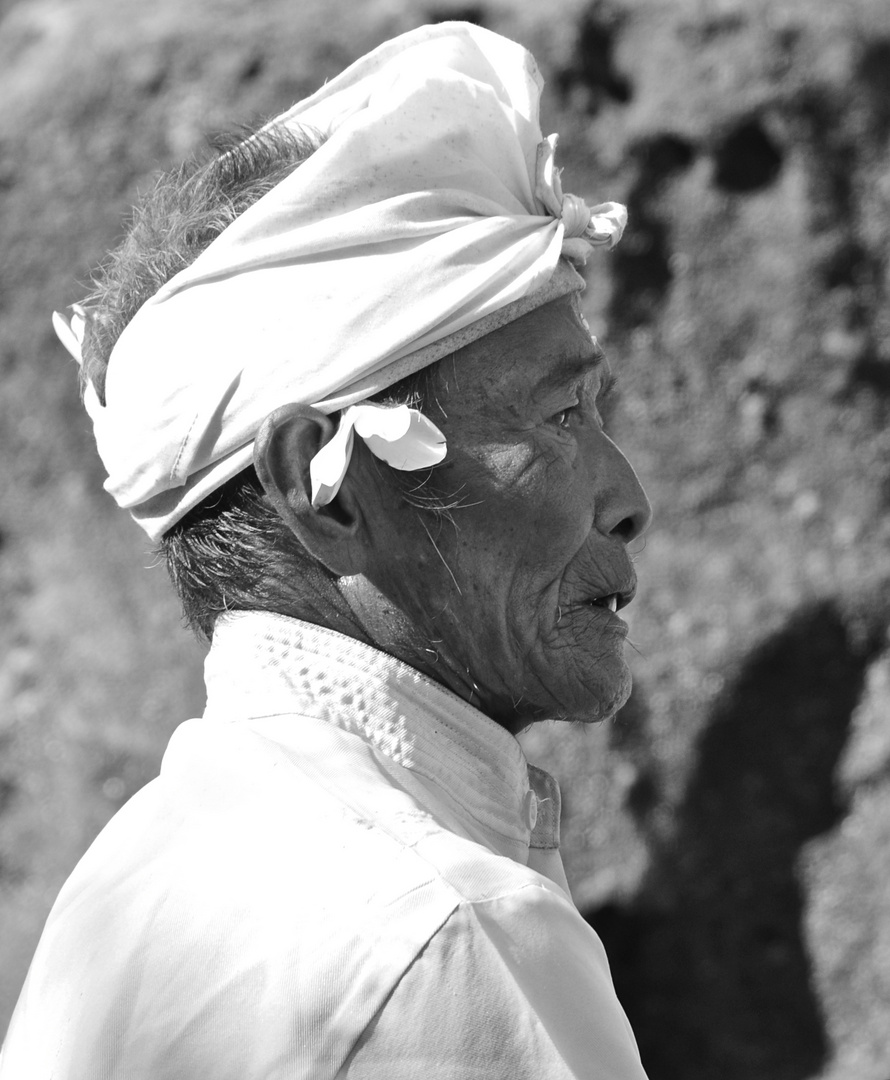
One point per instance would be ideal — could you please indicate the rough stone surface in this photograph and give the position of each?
(728, 833)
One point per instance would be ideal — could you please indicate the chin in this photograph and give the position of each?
(588, 678)
(566, 680)
(604, 694)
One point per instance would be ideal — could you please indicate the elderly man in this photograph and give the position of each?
(340, 373)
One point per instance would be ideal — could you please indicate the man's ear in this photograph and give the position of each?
(288, 440)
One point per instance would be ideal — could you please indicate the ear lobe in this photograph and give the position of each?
(285, 445)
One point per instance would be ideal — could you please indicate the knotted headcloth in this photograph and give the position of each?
(431, 214)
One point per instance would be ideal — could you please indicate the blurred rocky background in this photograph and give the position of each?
(729, 834)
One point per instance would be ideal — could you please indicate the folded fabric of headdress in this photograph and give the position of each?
(431, 214)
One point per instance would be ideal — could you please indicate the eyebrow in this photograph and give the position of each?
(574, 367)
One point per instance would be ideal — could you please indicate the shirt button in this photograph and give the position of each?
(530, 808)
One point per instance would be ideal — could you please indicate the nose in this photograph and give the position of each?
(622, 509)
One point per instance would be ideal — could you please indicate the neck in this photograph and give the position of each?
(354, 607)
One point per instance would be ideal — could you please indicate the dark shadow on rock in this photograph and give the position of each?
(253, 68)
(471, 13)
(836, 135)
(710, 959)
(746, 159)
(641, 264)
(8, 790)
(874, 75)
(592, 68)
(872, 370)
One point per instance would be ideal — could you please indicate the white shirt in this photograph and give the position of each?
(343, 870)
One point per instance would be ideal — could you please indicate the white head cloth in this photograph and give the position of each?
(431, 214)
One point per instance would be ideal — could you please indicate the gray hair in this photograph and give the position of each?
(233, 551)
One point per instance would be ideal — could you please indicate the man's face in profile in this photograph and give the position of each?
(521, 585)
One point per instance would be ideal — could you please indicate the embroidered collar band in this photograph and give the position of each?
(263, 667)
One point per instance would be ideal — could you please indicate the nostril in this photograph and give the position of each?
(626, 529)
(634, 524)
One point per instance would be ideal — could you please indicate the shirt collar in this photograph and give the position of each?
(264, 664)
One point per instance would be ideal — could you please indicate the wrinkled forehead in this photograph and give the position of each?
(523, 363)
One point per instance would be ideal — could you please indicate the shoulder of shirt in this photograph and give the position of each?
(238, 822)
(248, 873)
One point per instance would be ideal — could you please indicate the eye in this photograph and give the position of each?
(564, 417)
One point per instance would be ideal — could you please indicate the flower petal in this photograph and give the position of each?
(419, 445)
(328, 467)
(381, 421)
(402, 437)
(70, 330)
